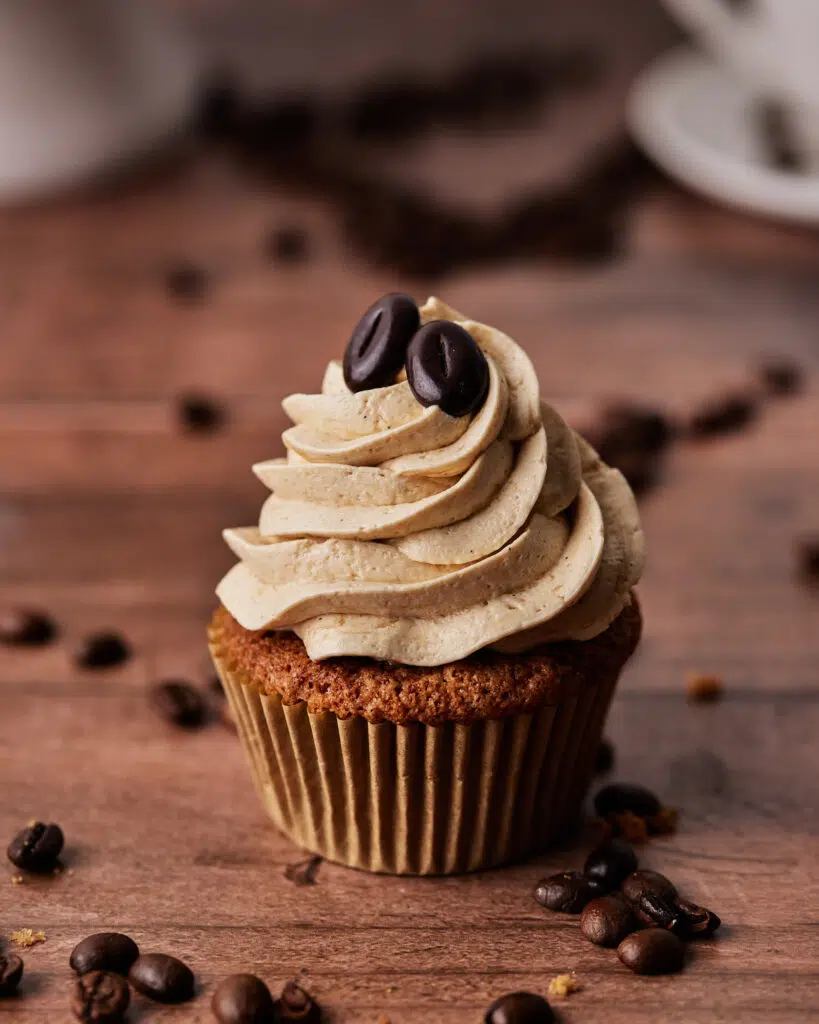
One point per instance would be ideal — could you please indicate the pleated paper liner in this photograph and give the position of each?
(418, 799)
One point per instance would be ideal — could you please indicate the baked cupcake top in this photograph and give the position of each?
(431, 505)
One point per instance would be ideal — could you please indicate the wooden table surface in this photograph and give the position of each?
(110, 518)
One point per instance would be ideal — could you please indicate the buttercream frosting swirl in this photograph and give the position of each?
(398, 532)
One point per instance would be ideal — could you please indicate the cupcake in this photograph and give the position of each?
(421, 638)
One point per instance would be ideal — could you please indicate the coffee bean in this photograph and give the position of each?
(162, 977)
(186, 282)
(445, 367)
(648, 883)
(695, 921)
(22, 627)
(652, 951)
(11, 971)
(297, 1005)
(178, 703)
(604, 758)
(607, 920)
(726, 414)
(104, 951)
(519, 1008)
(243, 999)
(652, 909)
(567, 892)
(624, 797)
(287, 245)
(199, 414)
(781, 377)
(100, 998)
(37, 848)
(102, 650)
(611, 863)
(378, 346)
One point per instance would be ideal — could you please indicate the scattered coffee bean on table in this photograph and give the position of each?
(186, 282)
(103, 650)
(179, 703)
(780, 377)
(11, 972)
(162, 977)
(100, 998)
(23, 627)
(243, 999)
(37, 848)
(652, 951)
(567, 892)
(654, 910)
(696, 922)
(625, 797)
(519, 1008)
(648, 883)
(287, 245)
(104, 951)
(607, 920)
(199, 414)
(611, 863)
(604, 758)
(295, 1004)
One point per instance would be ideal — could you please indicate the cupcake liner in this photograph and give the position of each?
(418, 799)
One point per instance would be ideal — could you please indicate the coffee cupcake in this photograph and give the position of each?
(422, 636)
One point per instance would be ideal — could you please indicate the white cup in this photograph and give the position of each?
(773, 46)
(85, 85)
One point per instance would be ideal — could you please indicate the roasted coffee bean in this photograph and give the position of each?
(162, 977)
(11, 971)
(186, 282)
(604, 758)
(100, 998)
(21, 627)
(37, 848)
(243, 999)
(103, 650)
(652, 951)
(695, 921)
(567, 892)
(607, 920)
(295, 1004)
(445, 367)
(780, 377)
(199, 414)
(519, 1008)
(611, 863)
(378, 346)
(727, 414)
(652, 909)
(625, 797)
(178, 703)
(287, 245)
(104, 951)
(645, 883)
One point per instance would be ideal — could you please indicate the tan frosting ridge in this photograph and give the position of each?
(397, 532)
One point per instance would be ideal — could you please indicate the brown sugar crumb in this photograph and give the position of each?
(703, 689)
(27, 937)
(664, 823)
(563, 985)
(629, 827)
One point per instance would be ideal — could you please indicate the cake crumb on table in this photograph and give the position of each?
(702, 688)
(563, 985)
(27, 937)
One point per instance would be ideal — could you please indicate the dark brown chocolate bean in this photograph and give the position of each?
(648, 883)
(652, 951)
(611, 863)
(296, 1004)
(22, 627)
(378, 346)
(727, 414)
(519, 1008)
(100, 998)
(445, 367)
(607, 920)
(625, 797)
(604, 758)
(186, 283)
(199, 414)
(567, 892)
(37, 848)
(11, 972)
(162, 977)
(243, 999)
(178, 703)
(103, 650)
(695, 922)
(654, 910)
(104, 951)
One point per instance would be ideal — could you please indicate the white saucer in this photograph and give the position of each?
(698, 123)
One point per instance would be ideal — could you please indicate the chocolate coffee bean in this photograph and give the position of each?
(100, 998)
(11, 971)
(243, 999)
(648, 883)
(37, 848)
(178, 703)
(695, 922)
(567, 892)
(611, 863)
(20, 627)
(295, 1004)
(162, 977)
(652, 951)
(519, 1008)
(104, 951)
(625, 797)
(103, 650)
(378, 346)
(445, 367)
(607, 920)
